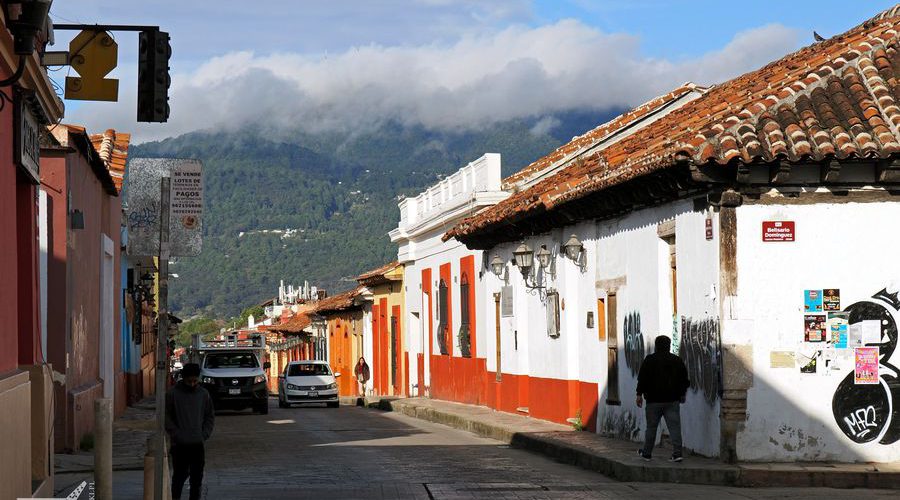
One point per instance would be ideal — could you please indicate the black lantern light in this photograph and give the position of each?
(573, 248)
(523, 255)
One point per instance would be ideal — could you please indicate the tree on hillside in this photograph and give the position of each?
(200, 325)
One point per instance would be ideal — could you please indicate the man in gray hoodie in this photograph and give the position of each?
(190, 418)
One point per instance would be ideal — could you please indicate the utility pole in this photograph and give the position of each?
(162, 336)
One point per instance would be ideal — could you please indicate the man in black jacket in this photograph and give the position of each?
(190, 418)
(663, 381)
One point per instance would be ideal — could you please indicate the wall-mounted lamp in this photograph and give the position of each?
(497, 266)
(573, 248)
(523, 255)
(543, 257)
(77, 219)
(25, 19)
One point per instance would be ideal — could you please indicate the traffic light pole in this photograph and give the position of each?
(154, 51)
(103, 27)
(162, 336)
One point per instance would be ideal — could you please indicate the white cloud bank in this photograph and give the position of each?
(481, 79)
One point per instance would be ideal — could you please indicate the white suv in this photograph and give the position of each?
(308, 382)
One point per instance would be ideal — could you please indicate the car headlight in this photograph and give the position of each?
(292, 387)
(207, 380)
(259, 379)
(332, 385)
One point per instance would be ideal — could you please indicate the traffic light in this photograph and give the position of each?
(153, 76)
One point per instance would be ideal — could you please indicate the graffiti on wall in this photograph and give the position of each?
(867, 413)
(700, 348)
(634, 342)
(676, 336)
(622, 425)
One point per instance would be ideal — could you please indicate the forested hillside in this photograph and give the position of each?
(317, 207)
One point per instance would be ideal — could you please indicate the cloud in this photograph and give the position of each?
(478, 80)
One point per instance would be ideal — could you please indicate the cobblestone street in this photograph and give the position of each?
(351, 452)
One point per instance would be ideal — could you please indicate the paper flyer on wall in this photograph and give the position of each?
(829, 362)
(866, 366)
(812, 301)
(838, 326)
(831, 299)
(814, 327)
(854, 336)
(807, 359)
(871, 331)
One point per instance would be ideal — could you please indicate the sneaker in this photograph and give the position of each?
(675, 458)
(646, 458)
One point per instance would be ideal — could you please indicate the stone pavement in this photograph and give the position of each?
(312, 452)
(130, 433)
(618, 458)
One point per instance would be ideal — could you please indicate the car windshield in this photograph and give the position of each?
(231, 360)
(306, 370)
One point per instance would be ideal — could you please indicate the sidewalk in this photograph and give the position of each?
(618, 458)
(130, 433)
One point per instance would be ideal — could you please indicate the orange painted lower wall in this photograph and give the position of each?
(467, 380)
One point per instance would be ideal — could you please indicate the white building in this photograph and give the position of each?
(444, 340)
(721, 223)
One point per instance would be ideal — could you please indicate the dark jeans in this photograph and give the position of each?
(187, 460)
(672, 413)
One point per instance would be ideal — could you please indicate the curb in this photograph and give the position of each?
(742, 475)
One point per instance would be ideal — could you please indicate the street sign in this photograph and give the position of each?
(142, 206)
(27, 138)
(187, 195)
(778, 230)
(93, 54)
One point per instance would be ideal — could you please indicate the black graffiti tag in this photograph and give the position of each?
(862, 421)
(700, 350)
(143, 218)
(634, 342)
(865, 412)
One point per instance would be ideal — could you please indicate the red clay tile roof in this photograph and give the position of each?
(593, 138)
(338, 303)
(834, 99)
(113, 149)
(376, 275)
(77, 137)
(296, 324)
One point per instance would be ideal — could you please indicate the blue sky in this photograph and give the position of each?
(684, 28)
(344, 64)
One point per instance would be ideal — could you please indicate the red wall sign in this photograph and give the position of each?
(778, 230)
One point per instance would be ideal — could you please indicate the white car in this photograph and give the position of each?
(308, 382)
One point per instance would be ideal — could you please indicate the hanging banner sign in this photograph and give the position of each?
(27, 139)
(778, 230)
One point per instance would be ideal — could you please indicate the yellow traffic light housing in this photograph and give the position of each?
(93, 55)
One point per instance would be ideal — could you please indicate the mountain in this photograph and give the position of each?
(293, 205)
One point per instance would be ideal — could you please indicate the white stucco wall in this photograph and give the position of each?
(626, 253)
(632, 258)
(851, 247)
(368, 351)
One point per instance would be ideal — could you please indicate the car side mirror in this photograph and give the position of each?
(267, 365)
(337, 374)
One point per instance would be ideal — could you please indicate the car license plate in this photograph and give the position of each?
(313, 394)
(234, 391)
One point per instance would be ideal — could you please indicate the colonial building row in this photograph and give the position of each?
(78, 315)
(746, 221)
